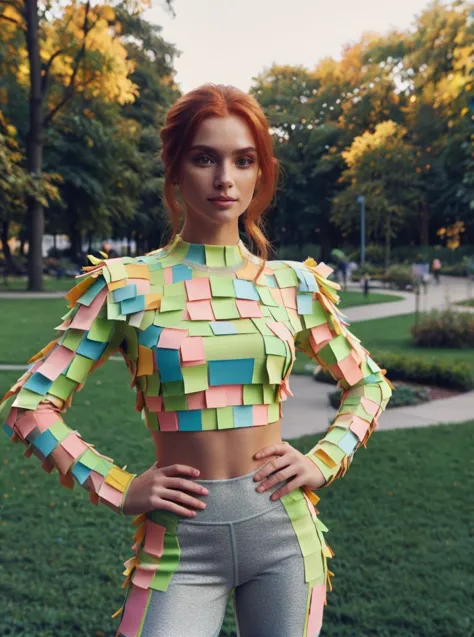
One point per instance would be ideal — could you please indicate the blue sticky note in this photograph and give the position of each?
(196, 254)
(310, 281)
(348, 442)
(168, 364)
(130, 306)
(271, 281)
(127, 292)
(223, 327)
(90, 294)
(181, 272)
(243, 416)
(155, 266)
(190, 420)
(304, 303)
(38, 383)
(81, 472)
(232, 372)
(245, 290)
(91, 349)
(45, 442)
(8, 430)
(150, 336)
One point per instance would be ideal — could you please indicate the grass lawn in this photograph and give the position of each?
(468, 302)
(392, 334)
(351, 298)
(400, 525)
(50, 285)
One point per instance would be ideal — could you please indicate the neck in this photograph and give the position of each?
(214, 236)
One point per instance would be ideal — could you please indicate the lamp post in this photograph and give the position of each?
(361, 200)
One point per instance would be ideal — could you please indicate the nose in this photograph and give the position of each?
(223, 178)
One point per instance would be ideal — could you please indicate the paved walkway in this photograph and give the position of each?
(308, 410)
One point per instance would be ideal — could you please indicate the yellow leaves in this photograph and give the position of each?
(452, 234)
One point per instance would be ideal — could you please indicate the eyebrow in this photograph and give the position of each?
(210, 149)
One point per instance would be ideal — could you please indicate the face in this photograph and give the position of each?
(221, 162)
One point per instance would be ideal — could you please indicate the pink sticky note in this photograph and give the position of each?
(86, 315)
(280, 330)
(285, 388)
(200, 310)
(26, 424)
(359, 427)
(185, 316)
(109, 494)
(192, 349)
(46, 416)
(73, 445)
(248, 309)
(12, 417)
(154, 403)
(200, 361)
(135, 606)
(197, 400)
(198, 289)
(168, 420)
(289, 297)
(142, 577)
(276, 293)
(260, 414)
(172, 338)
(350, 370)
(64, 460)
(369, 406)
(143, 285)
(322, 334)
(64, 325)
(216, 396)
(95, 481)
(56, 362)
(316, 609)
(154, 538)
(235, 394)
(323, 269)
(168, 276)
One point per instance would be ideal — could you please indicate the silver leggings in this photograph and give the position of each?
(242, 545)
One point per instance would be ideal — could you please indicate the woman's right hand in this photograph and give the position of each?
(164, 488)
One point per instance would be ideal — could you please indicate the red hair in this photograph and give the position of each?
(182, 122)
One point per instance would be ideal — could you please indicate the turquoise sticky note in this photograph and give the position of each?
(168, 364)
(304, 303)
(196, 253)
(181, 272)
(223, 327)
(245, 290)
(150, 336)
(348, 443)
(243, 416)
(38, 383)
(231, 372)
(91, 349)
(80, 472)
(310, 281)
(45, 442)
(271, 281)
(127, 292)
(90, 294)
(190, 420)
(131, 306)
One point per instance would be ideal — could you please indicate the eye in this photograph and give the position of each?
(249, 159)
(198, 158)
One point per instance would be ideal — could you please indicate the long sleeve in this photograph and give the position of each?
(31, 411)
(365, 390)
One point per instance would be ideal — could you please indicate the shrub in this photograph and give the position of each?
(417, 370)
(445, 328)
(399, 276)
(404, 396)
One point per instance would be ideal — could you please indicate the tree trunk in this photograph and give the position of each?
(388, 239)
(34, 149)
(425, 225)
(10, 266)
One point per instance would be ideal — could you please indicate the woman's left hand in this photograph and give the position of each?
(291, 463)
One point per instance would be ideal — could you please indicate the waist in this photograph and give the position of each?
(217, 455)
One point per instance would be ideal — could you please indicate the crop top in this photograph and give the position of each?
(209, 346)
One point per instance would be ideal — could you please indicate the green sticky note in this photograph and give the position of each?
(27, 399)
(89, 459)
(266, 296)
(233, 346)
(171, 388)
(286, 278)
(317, 316)
(225, 309)
(209, 419)
(266, 311)
(222, 287)
(153, 384)
(295, 322)
(314, 567)
(273, 412)
(269, 392)
(175, 403)
(195, 378)
(306, 533)
(79, 368)
(273, 345)
(198, 328)
(232, 256)
(117, 270)
(113, 311)
(262, 327)
(244, 326)
(172, 303)
(327, 472)
(157, 280)
(260, 374)
(279, 313)
(340, 347)
(225, 418)
(275, 368)
(151, 420)
(334, 452)
(147, 319)
(253, 395)
(168, 319)
(215, 256)
(335, 435)
(72, 339)
(62, 387)
(174, 289)
(59, 430)
(101, 330)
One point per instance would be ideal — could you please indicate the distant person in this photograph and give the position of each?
(365, 284)
(436, 269)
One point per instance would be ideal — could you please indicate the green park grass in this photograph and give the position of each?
(16, 284)
(467, 302)
(352, 298)
(399, 524)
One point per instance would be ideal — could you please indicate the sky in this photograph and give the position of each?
(231, 41)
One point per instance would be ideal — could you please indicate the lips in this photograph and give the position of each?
(222, 199)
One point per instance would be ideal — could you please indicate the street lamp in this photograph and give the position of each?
(361, 200)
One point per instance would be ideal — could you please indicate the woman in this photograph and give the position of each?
(208, 331)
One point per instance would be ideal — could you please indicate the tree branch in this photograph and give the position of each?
(18, 24)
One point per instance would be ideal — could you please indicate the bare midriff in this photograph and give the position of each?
(218, 455)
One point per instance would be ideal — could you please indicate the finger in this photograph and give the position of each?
(269, 467)
(287, 488)
(275, 449)
(182, 498)
(279, 476)
(167, 505)
(174, 469)
(185, 485)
